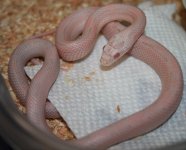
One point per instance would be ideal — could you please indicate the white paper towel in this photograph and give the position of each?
(89, 98)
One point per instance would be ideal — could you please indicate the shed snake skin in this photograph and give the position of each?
(75, 38)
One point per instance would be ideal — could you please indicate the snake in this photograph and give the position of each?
(75, 38)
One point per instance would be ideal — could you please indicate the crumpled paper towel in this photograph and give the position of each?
(89, 98)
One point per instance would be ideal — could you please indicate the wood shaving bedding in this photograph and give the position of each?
(20, 19)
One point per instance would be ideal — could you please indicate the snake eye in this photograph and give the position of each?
(116, 55)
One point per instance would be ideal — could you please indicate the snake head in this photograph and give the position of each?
(109, 56)
(117, 46)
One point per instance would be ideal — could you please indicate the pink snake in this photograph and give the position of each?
(75, 38)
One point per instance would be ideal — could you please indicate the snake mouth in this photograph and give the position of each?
(106, 60)
(104, 63)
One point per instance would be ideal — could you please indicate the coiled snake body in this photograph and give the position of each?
(75, 38)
